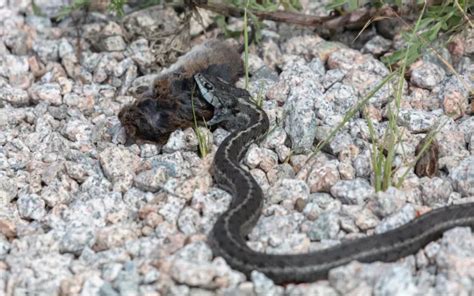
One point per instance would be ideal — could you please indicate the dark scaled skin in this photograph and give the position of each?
(168, 106)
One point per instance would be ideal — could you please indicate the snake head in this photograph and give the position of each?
(218, 92)
(208, 90)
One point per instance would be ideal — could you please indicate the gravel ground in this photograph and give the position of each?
(82, 214)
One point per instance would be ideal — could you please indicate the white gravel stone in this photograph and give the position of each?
(463, 177)
(405, 215)
(398, 281)
(119, 165)
(264, 285)
(427, 75)
(8, 190)
(49, 92)
(151, 180)
(288, 189)
(13, 65)
(385, 203)
(323, 176)
(352, 191)
(435, 191)
(416, 121)
(31, 206)
(325, 227)
(300, 120)
(15, 96)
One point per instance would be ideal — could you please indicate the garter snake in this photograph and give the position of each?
(227, 238)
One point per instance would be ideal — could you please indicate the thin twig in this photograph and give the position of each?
(354, 19)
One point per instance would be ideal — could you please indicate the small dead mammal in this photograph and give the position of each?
(167, 106)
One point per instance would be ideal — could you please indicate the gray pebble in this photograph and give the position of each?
(253, 156)
(49, 92)
(323, 176)
(352, 191)
(151, 180)
(321, 288)
(397, 281)
(416, 121)
(299, 106)
(58, 192)
(188, 221)
(385, 203)
(377, 45)
(435, 191)
(5, 247)
(76, 237)
(127, 281)
(200, 274)
(119, 164)
(279, 172)
(288, 189)
(180, 140)
(463, 177)
(362, 165)
(47, 50)
(405, 215)
(264, 286)
(8, 190)
(427, 75)
(325, 227)
(170, 211)
(332, 77)
(11, 65)
(363, 218)
(15, 96)
(113, 43)
(31, 206)
(274, 138)
(274, 229)
(342, 98)
(141, 54)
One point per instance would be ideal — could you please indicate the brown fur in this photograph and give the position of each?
(168, 107)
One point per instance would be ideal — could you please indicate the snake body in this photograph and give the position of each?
(227, 237)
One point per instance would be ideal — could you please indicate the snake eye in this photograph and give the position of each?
(208, 86)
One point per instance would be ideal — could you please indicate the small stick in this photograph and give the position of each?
(353, 19)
